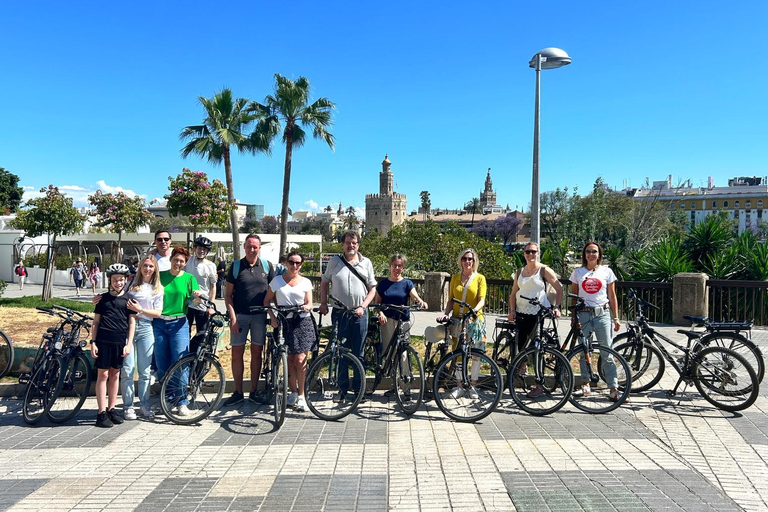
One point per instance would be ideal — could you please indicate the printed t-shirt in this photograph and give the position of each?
(593, 284)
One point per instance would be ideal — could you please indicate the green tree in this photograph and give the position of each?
(120, 213)
(426, 203)
(269, 224)
(288, 111)
(10, 192)
(350, 220)
(250, 226)
(224, 126)
(52, 214)
(203, 202)
(473, 205)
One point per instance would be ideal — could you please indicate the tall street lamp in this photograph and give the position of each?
(548, 58)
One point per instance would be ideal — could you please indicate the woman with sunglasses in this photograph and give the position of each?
(293, 289)
(596, 284)
(467, 286)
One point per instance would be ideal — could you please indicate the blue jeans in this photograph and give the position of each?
(143, 349)
(171, 344)
(352, 329)
(601, 326)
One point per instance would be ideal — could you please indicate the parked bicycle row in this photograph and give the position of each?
(464, 376)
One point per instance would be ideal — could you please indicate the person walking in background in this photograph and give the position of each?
(21, 273)
(78, 274)
(94, 276)
(221, 273)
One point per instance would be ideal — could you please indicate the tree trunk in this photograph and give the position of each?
(48, 279)
(286, 193)
(231, 198)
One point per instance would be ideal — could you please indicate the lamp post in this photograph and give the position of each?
(548, 58)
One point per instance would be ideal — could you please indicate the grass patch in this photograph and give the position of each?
(36, 301)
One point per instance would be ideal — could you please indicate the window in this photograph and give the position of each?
(748, 203)
(759, 214)
(735, 204)
(725, 204)
(714, 204)
(736, 213)
(760, 203)
(693, 217)
(682, 205)
(693, 204)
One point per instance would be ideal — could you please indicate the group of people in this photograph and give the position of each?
(81, 275)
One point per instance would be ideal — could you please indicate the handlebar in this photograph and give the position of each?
(397, 307)
(641, 302)
(471, 312)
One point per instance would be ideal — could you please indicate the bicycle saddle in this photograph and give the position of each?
(696, 319)
(692, 335)
(435, 334)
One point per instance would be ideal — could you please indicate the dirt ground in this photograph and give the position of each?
(25, 326)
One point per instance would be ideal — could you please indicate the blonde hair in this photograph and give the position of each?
(474, 255)
(154, 279)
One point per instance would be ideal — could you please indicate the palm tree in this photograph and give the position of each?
(288, 110)
(425, 203)
(473, 205)
(226, 122)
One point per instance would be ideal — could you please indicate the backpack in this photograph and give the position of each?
(548, 288)
(236, 267)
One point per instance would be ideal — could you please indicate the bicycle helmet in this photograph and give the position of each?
(118, 268)
(203, 242)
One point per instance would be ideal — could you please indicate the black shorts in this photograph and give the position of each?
(110, 355)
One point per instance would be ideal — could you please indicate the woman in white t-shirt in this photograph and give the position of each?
(596, 284)
(293, 289)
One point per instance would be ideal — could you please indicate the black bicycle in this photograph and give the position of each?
(505, 335)
(274, 367)
(400, 363)
(467, 392)
(193, 386)
(327, 387)
(6, 354)
(723, 376)
(540, 377)
(61, 373)
(437, 343)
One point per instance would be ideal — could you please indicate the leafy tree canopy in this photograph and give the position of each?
(203, 202)
(51, 214)
(119, 212)
(10, 192)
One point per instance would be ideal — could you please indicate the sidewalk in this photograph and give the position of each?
(654, 453)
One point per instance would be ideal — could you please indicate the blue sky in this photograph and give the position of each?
(94, 94)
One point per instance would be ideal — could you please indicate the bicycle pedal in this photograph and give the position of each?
(328, 395)
(671, 393)
(78, 375)
(24, 378)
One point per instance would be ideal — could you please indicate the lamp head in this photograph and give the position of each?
(551, 58)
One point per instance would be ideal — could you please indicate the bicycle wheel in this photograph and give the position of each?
(280, 387)
(192, 388)
(744, 347)
(467, 401)
(40, 389)
(73, 389)
(372, 363)
(725, 379)
(602, 361)
(322, 389)
(409, 379)
(546, 383)
(6, 354)
(504, 351)
(646, 364)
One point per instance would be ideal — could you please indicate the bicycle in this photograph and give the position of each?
(196, 380)
(437, 343)
(540, 377)
(504, 344)
(61, 374)
(722, 376)
(462, 394)
(326, 388)
(274, 367)
(400, 362)
(6, 354)
(591, 358)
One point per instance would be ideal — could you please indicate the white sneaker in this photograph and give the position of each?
(146, 412)
(152, 377)
(129, 414)
(183, 410)
(456, 392)
(301, 404)
(472, 393)
(292, 399)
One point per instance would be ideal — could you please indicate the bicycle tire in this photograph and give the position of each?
(455, 399)
(280, 387)
(72, 390)
(41, 386)
(409, 379)
(321, 387)
(6, 354)
(738, 343)
(598, 400)
(646, 364)
(714, 368)
(555, 373)
(372, 363)
(200, 382)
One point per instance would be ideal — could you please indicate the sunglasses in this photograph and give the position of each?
(160, 239)
(531, 252)
(467, 259)
(291, 262)
(591, 252)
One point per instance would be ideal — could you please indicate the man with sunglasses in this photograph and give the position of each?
(163, 250)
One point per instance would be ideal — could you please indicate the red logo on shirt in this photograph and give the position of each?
(591, 285)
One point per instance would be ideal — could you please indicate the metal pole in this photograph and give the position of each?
(535, 208)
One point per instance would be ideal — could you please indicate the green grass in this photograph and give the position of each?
(35, 301)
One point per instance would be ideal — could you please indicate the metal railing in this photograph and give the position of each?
(738, 300)
(658, 294)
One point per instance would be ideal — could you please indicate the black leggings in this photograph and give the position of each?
(526, 324)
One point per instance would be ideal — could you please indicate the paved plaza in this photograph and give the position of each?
(654, 453)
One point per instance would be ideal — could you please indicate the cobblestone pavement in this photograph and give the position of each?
(654, 453)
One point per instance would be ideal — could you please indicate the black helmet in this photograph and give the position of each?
(203, 242)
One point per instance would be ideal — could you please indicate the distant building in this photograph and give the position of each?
(387, 208)
(744, 199)
(242, 211)
(488, 197)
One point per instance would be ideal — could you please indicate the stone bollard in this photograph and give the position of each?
(436, 290)
(689, 296)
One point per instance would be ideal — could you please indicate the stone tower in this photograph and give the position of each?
(488, 196)
(387, 208)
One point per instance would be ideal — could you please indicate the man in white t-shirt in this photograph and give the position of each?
(204, 271)
(163, 250)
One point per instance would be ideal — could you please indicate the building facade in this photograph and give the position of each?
(488, 197)
(387, 208)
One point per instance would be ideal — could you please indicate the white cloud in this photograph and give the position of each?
(79, 194)
(114, 190)
(360, 212)
(311, 205)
